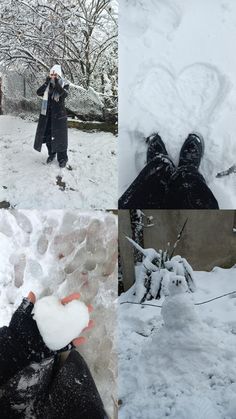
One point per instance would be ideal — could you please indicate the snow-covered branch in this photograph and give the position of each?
(81, 35)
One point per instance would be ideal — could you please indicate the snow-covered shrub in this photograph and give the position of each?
(155, 272)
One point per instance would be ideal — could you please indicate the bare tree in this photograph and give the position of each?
(81, 35)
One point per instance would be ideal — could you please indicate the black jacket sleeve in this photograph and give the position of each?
(20, 343)
(63, 91)
(41, 89)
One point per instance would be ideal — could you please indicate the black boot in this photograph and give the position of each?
(155, 147)
(51, 157)
(62, 163)
(62, 158)
(192, 151)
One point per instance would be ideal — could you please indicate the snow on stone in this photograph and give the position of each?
(28, 182)
(57, 253)
(180, 361)
(177, 75)
(60, 324)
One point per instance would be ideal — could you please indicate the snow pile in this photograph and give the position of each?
(180, 361)
(28, 182)
(58, 253)
(60, 324)
(177, 75)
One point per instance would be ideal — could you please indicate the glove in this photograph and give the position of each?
(26, 332)
(48, 79)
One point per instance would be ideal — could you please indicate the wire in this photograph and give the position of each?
(216, 298)
(196, 304)
(140, 304)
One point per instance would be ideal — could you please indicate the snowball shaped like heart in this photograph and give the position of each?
(60, 324)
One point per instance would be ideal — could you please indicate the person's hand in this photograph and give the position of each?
(26, 334)
(76, 296)
(48, 79)
(79, 340)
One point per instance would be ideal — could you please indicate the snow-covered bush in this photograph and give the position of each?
(155, 272)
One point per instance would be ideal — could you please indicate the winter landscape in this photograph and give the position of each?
(80, 38)
(177, 359)
(56, 253)
(177, 75)
(89, 181)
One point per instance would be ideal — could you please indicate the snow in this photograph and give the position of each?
(178, 311)
(60, 324)
(28, 182)
(57, 253)
(177, 75)
(175, 368)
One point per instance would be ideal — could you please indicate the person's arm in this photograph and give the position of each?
(41, 89)
(20, 342)
(63, 91)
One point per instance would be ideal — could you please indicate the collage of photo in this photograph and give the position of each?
(117, 209)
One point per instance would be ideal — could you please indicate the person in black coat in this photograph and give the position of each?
(33, 384)
(52, 126)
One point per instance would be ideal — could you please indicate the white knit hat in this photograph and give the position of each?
(56, 69)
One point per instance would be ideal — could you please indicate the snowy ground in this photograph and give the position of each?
(180, 373)
(27, 182)
(58, 253)
(177, 75)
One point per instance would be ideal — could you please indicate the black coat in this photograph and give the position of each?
(33, 384)
(53, 125)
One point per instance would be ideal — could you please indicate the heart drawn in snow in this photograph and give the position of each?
(191, 96)
(59, 324)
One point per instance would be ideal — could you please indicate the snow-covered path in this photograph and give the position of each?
(180, 373)
(28, 182)
(177, 75)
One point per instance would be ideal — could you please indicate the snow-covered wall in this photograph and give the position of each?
(19, 95)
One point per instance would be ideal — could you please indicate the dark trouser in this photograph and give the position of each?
(52, 392)
(73, 394)
(161, 186)
(61, 155)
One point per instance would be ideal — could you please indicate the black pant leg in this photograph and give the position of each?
(62, 155)
(48, 136)
(187, 189)
(149, 188)
(49, 147)
(73, 393)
